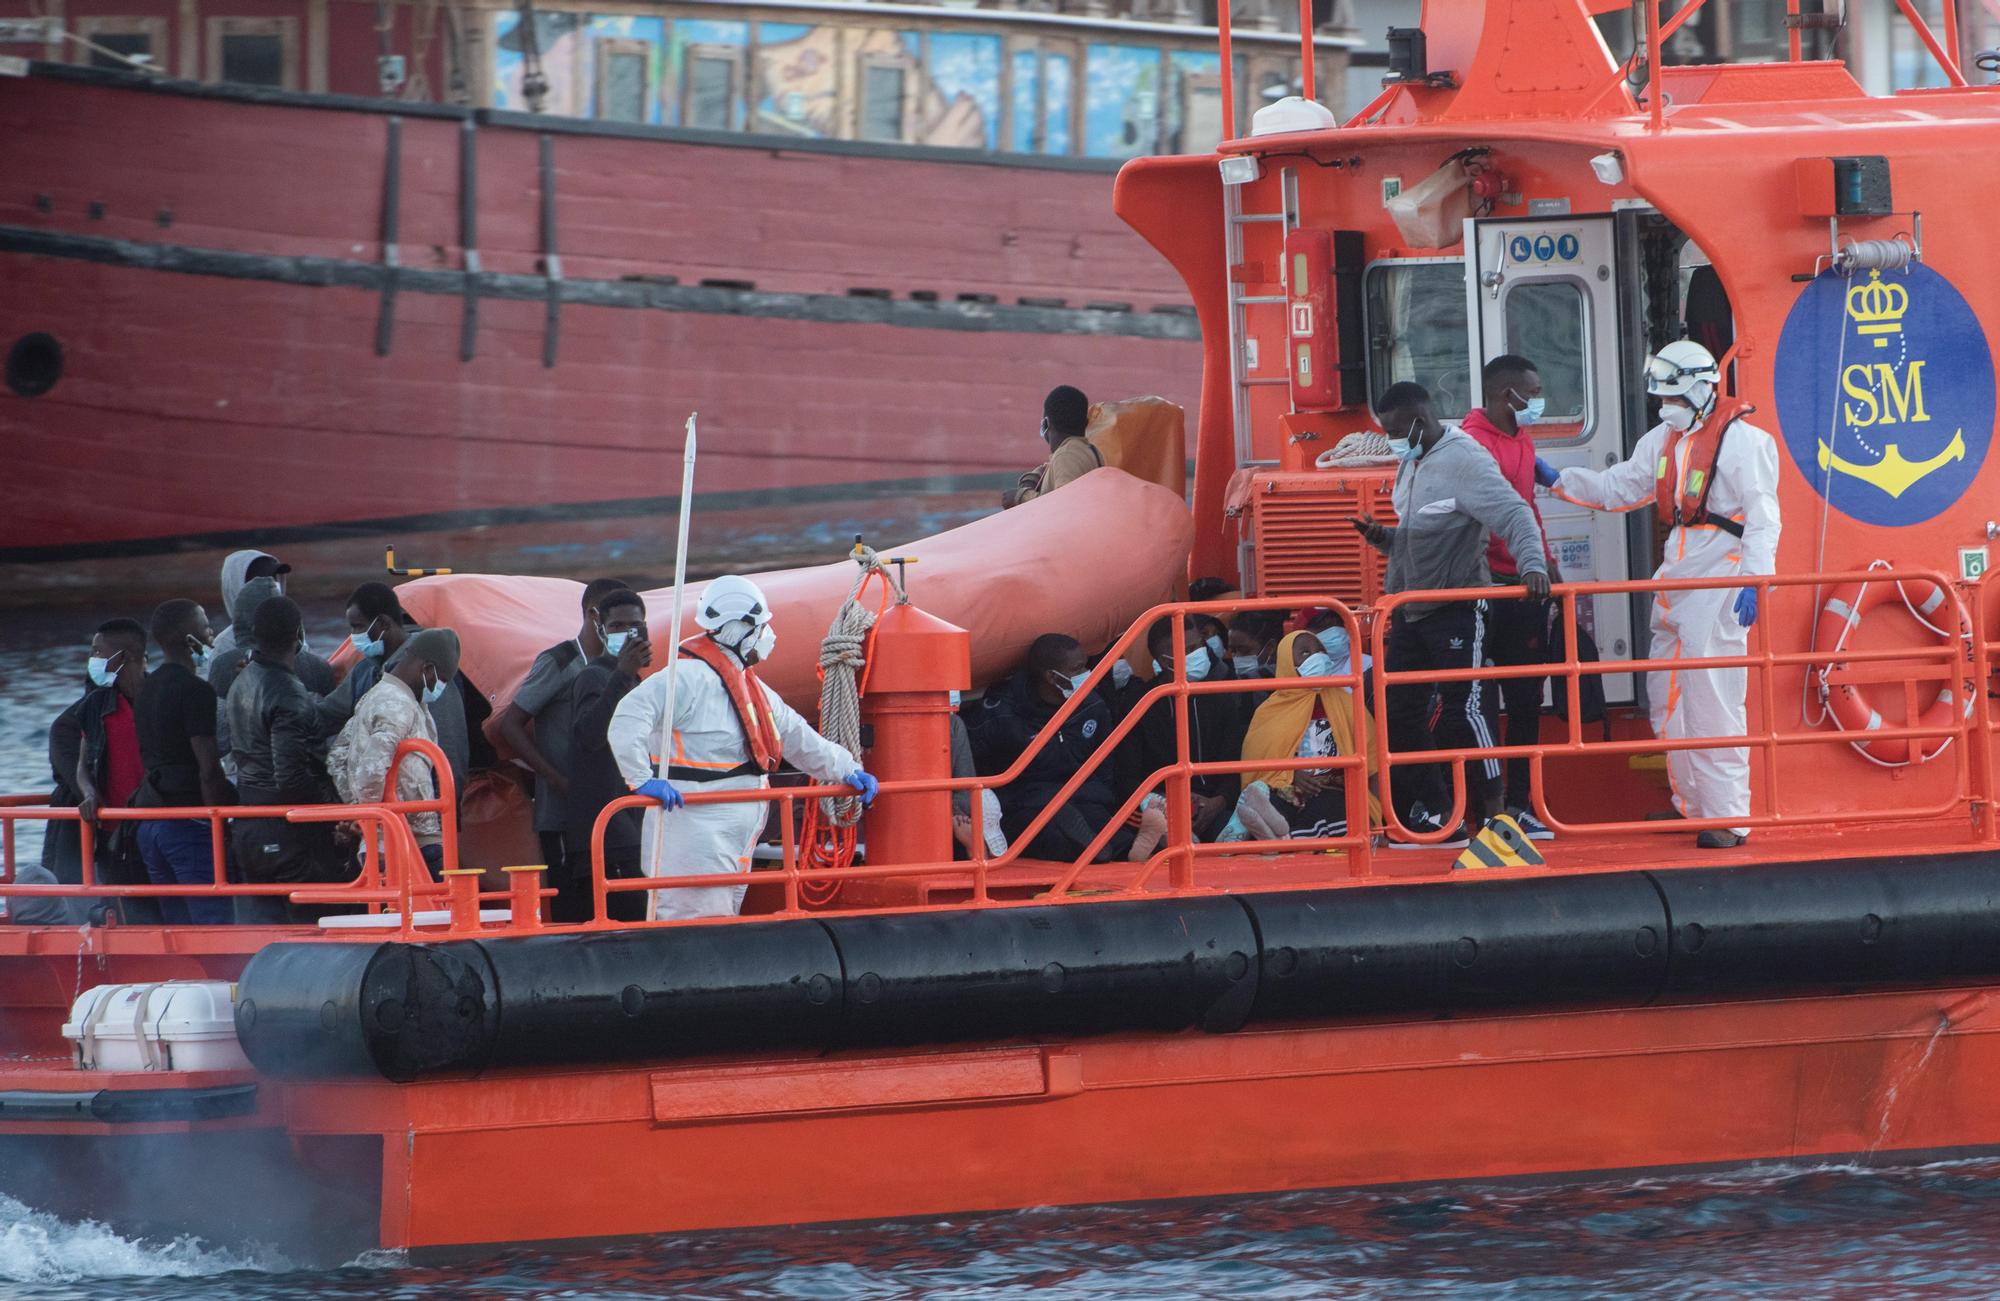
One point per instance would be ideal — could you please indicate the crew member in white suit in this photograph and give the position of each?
(1713, 478)
(730, 732)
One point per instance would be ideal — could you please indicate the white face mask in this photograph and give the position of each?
(1677, 416)
(767, 641)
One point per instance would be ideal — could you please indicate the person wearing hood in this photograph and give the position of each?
(1304, 723)
(1065, 415)
(1448, 494)
(238, 568)
(1216, 724)
(223, 665)
(1013, 714)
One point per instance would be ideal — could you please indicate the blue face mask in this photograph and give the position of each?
(1335, 643)
(1073, 684)
(1246, 666)
(1319, 664)
(101, 672)
(1532, 412)
(615, 641)
(955, 698)
(370, 647)
(202, 653)
(1405, 449)
(434, 692)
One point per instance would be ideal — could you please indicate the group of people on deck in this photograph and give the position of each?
(1467, 518)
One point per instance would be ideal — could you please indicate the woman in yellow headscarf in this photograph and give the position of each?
(1280, 804)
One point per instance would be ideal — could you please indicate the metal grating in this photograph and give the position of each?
(1305, 546)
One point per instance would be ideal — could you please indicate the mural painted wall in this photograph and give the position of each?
(1104, 99)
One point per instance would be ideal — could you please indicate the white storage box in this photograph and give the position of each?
(167, 1025)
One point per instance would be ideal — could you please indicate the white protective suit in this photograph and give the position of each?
(708, 838)
(1709, 702)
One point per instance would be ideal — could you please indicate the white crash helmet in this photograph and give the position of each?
(1683, 369)
(733, 611)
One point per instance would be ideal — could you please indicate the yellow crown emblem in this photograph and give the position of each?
(1877, 309)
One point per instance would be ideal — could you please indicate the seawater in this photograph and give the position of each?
(1789, 1232)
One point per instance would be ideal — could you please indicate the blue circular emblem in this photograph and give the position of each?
(1545, 247)
(1518, 248)
(1885, 393)
(1566, 248)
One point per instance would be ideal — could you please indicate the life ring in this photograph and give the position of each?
(1849, 709)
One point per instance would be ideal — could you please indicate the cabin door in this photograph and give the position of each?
(1546, 288)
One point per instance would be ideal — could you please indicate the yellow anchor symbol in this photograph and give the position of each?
(1894, 474)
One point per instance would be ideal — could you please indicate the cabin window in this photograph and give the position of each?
(1547, 323)
(710, 96)
(254, 51)
(621, 80)
(881, 100)
(122, 43)
(1417, 330)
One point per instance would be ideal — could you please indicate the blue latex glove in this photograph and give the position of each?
(1546, 474)
(867, 785)
(1746, 606)
(659, 788)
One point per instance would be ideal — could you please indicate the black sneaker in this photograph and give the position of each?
(1718, 838)
(1531, 826)
(1423, 822)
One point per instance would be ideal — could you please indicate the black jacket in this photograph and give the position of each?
(594, 779)
(275, 735)
(62, 843)
(1008, 722)
(1217, 725)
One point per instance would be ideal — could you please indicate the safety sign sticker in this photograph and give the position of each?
(1543, 248)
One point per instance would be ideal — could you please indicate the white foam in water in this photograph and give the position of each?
(36, 1247)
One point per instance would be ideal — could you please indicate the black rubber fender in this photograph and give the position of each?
(1778, 927)
(398, 1010)
(1459, 945)
(1058, 969)
(670, 992)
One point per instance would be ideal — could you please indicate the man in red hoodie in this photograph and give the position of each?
(1516, 631)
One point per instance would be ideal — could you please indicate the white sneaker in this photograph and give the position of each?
(996, 839)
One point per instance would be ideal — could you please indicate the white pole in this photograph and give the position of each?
(673, 656)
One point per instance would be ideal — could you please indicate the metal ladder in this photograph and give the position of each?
(1241, 382)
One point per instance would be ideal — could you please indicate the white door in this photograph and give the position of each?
(1546, 289)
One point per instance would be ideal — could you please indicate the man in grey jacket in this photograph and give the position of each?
(1448, 493)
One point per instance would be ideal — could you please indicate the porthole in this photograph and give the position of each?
(34, 364)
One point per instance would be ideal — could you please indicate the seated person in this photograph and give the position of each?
(1296, 724)
(961, 801)
(391, 712)
(1014, 712)
(1253, 643)
(1065, 416)
(1216, 725)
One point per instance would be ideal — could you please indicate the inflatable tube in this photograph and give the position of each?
(1616, 939)
(1782, 927)
(1087, 561)
(1460, 946)
(1163, 965)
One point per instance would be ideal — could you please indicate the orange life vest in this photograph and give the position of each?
(753, 711)
(1685, 504)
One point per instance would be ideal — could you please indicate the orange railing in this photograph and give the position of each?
(391, 871)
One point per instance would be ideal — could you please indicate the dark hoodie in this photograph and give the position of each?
(314, 672)
(1011, 717)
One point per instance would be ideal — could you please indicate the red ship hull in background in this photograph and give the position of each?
(268, 317)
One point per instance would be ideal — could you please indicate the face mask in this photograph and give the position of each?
(202, 652)
(1334, 642)
(434, 692)
(1216, 645)
(1198, 664)
(955, 698)
(371, 647)
(100, 671)
(615, 641)
(1677, 417)
(767, 641)
(1532, 412)
(1070, 685)
(1319, 664)
(1405, 449)
(1246, 666)
(1121, 674)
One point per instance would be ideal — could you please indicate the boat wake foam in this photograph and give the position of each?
(36, 1247)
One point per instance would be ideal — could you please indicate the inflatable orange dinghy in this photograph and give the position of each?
(1086, 561)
